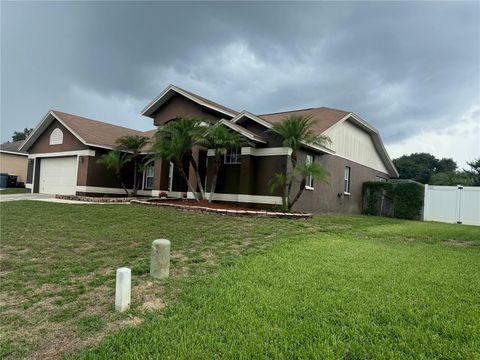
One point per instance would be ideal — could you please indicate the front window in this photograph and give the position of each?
(378, 178)
(309, 181)
(148, 178)
(233, 156)
(346, 186)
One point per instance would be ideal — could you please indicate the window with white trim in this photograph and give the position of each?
(346, 183)
(232, 156)
(378, 178)
(56, 137)
(148, 177)
(309, 181)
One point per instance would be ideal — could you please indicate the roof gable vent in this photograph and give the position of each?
(56, 137)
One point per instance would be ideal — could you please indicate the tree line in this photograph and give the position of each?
(427, 169)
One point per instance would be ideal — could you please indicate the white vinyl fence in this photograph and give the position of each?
(452, 204)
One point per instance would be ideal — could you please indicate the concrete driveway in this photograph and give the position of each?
(18, 197)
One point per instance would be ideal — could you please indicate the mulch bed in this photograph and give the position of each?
(219, 208)
(202, 206)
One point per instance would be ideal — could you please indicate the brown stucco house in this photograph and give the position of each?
(355, 155)
(13, 161)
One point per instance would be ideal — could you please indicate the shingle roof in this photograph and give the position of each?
(325, 117)
(171, 89)
(12, 147)
(96, 132)
(212, 103)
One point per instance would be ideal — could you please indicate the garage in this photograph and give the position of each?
(58, 175)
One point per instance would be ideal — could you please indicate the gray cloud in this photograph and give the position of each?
(404, 67)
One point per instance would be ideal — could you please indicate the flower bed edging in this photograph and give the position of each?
(202, 209)
(94, 199)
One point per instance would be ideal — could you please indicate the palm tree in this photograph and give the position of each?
(174, 142)
(220, 139)
(133, 145)
(115, 160)
(295, 131)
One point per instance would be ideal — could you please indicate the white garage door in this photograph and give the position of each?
(58, 175)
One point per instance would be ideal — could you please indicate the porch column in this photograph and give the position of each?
(247, 184)
(157, 167)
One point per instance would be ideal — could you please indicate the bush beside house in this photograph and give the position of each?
(401, 200)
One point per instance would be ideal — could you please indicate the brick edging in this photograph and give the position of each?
(93, 198)
(202, 209)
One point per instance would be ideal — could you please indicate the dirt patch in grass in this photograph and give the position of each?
(463, 243)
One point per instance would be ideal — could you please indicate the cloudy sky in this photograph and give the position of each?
(411, 69)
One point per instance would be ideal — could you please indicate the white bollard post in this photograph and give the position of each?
(122, 289)
(160, 259)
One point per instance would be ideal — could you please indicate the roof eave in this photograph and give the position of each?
(248, 134)
(152, 106)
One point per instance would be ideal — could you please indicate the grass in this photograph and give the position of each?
(10, 191)
(58, 265)
(333, 287)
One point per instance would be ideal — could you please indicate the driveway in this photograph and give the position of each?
(18, 197)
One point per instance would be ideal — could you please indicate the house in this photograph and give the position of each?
(13, 161)
(355, 155)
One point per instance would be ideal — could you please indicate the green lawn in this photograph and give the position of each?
(10, 191)
(332, 287)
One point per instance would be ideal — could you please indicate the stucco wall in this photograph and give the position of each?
(14, 165)
(70, 142)
(178, 105)
(329, 197)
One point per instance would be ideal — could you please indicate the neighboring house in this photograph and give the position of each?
(355, 155)
(13, 161)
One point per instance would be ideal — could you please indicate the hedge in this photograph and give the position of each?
(401, 200)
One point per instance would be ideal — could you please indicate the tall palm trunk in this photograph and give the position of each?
(185, 178)
(120, 180)
(197, 173)
(218, 163)
(134, 192)
(299, 193)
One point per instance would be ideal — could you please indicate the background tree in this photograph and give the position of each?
(417, 166)
(294, 131)
(174, 142)
(451, 178)
(22, 135)
(115, 160)
(445, 165)
(474, 172)
(133, 145)
(220, 139)
(421, 166)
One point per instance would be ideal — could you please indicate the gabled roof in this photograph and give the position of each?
(325, 117)
(12, 148)
(89, 132)
(241, 130)
(171, 90)
(246, 115)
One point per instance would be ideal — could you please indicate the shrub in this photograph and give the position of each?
(408, 200)
(401, 200)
